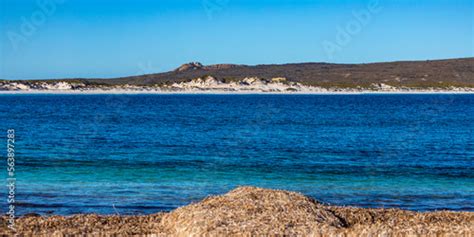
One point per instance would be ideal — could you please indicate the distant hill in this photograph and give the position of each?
(435, 73)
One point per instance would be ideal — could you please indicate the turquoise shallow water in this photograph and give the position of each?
(148, 153)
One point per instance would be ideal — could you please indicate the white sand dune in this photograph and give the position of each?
(210, 85)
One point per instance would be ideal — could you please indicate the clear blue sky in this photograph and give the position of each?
(110, 38)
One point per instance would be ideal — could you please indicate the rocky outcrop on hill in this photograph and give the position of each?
(198, 65)
(189, 66)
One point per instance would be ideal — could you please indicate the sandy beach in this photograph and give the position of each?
(250, 211)
(157, 92)
(211, 85)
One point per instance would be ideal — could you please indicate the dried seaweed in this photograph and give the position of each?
(250, 211)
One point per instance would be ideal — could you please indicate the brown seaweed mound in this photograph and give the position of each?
(249, 211)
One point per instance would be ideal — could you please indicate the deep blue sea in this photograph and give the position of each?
(150, 153)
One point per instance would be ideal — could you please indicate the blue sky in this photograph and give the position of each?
(111, 38)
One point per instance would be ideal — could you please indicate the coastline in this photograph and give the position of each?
(211, 85)
(250, 211)
(144, 92)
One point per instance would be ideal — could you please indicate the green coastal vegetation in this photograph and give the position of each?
(441, 74)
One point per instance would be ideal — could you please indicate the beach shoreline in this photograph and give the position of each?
(144, 92)
(250, 211)
(212, 85)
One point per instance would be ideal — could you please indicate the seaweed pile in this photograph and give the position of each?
(250, 211)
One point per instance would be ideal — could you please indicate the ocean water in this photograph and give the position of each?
(135, 154)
